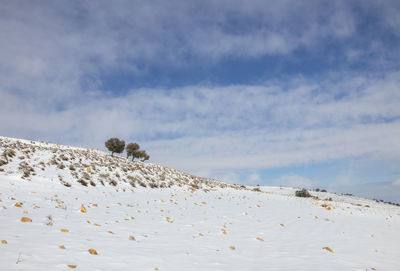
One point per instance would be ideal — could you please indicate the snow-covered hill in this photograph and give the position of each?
(64, 208)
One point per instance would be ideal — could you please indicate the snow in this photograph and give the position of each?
(214, 227)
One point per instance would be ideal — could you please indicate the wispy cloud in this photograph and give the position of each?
(198, 128)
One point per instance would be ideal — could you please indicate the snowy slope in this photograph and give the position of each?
(182, 223)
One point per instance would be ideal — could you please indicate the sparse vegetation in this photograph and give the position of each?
(92, 167)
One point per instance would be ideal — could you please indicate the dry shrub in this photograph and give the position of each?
(49, 221)
(63, 157)
(153, 185)
(25, 168)
(83, 182)
(86, 176)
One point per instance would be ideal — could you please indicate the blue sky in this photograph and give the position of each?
(254, 92)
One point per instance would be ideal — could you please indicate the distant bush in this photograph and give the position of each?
(115, 145)
(303, 193)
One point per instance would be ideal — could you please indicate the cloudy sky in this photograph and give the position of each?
(300, 93)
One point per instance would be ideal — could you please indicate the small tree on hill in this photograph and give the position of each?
(115, 145)
(131, 148)
(142, 155)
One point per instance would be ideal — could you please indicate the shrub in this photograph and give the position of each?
(303, 193)
(83, 182)
(115, 145)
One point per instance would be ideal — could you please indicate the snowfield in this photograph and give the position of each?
(64, 208)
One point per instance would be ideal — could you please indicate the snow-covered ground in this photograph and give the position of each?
(183, 223)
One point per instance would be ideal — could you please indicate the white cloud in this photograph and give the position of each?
(397, 182)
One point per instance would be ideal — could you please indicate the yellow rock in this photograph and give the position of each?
(62, 247)
(282, 225)
(64, 230)
(83, 209)
(97, 225)
(93, 251)
(17, 205)
(201, 234)
(110, 232)
(26, 219)
(73, 266)
(4, 242)
(232, 247)
(260, 239)
(328, 249)
(132, 238)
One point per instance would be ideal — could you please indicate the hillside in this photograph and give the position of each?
(64, 208)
